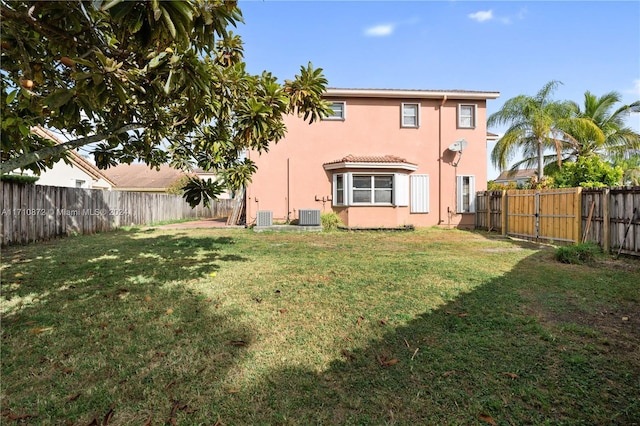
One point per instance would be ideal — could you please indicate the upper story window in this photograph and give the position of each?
(339, 111)
(410, 115)
(467, 116)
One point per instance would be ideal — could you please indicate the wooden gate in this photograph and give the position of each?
(550, 214)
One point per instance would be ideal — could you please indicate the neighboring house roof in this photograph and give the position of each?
(369, 161)
(76, 159)
(140, 177)
(515, 175)
(410, 93)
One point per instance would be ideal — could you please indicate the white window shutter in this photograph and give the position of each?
(472, 194)
(419, 193)
(459, 203)
(401, 189)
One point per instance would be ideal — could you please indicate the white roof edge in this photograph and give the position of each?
(361, 165)
(75, 157)
(393, 93)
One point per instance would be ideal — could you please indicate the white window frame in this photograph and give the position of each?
(337, 117)
(403, 115)
(474, 114)
(372, 190)
(399, 190)
(338, 192)
(460, 186)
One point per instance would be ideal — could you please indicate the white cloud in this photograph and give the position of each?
(521, 14)
(481, 15)
(379, 30)
(636, 88)
(487, 15)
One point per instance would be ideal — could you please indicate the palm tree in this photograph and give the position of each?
(533, 128)
(600, 130)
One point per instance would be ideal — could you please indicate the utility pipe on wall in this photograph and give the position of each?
(444, 100)
(288, 190)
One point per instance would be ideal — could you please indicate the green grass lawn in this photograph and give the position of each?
(234, 327)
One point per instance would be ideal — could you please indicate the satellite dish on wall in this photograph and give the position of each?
(458, 145)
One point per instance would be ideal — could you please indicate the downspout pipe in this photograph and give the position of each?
(288, 188)
(444, 100)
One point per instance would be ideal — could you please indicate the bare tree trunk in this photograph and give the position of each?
(540, 160)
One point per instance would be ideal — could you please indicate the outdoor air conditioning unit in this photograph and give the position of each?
(264, 218)
(309, 217)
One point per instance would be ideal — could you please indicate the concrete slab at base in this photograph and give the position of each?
(288, 228)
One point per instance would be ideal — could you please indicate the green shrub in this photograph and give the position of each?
(330, 221)
(588, 172)
(578, 254)
(19, 178)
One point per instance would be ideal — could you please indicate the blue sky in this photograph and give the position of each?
(513, 47)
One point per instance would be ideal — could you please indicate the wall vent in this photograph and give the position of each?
(309, 217)
(264, 218)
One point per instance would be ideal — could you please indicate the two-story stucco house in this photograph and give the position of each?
(385, 158)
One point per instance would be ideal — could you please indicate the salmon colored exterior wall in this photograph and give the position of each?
(291, 175)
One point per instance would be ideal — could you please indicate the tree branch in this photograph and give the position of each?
(7, 13)
(31, 157)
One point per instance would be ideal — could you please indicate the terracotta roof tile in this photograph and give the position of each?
(370, 159)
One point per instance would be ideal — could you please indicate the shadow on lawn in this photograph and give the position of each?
(83, 268)
(486, 357)
(134, 343)
(501, 353)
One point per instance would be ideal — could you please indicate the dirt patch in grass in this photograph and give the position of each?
(626, 264)
(613, 329)
(619, 327)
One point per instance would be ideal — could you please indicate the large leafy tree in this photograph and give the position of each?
(533, 128)
(599, 128)
(152, 81)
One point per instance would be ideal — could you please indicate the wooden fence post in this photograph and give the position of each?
(577, 211)
(606, 222)
(488, 204)
(504, 212)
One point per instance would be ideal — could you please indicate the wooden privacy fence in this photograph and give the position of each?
(35, 212)
(489, 210)
(609, 217)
